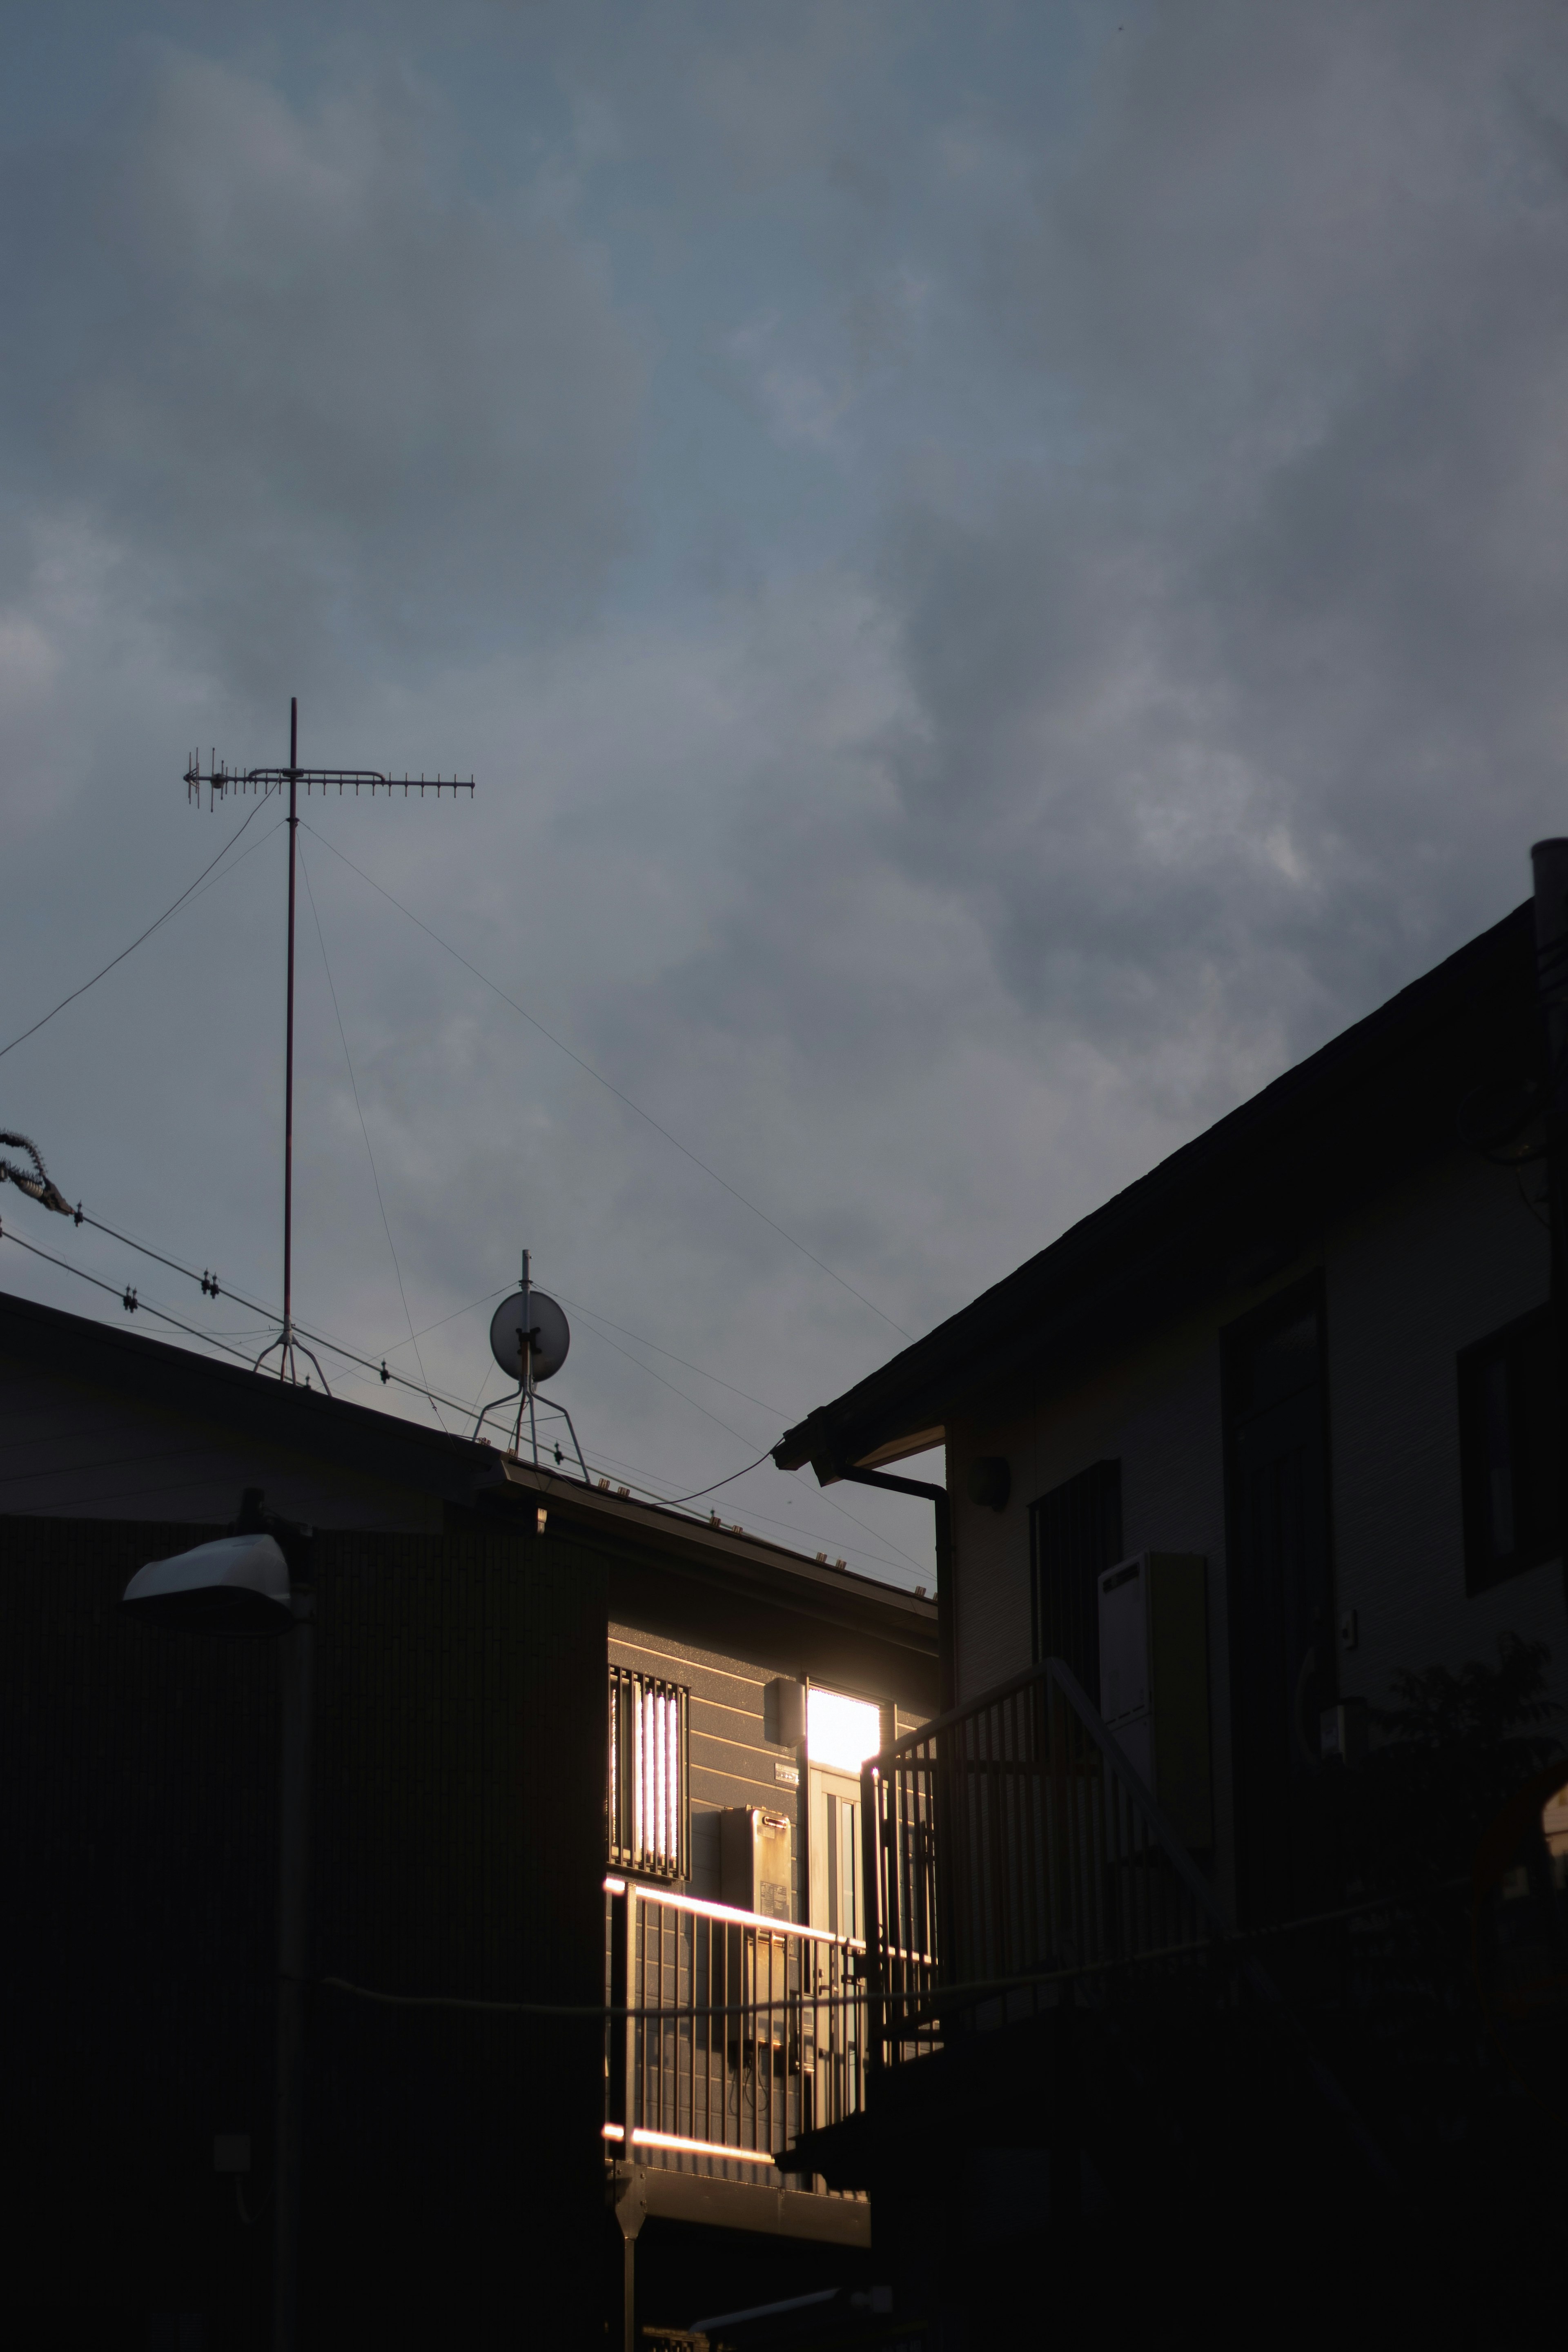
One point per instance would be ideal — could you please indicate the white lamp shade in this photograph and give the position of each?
(237, 1585)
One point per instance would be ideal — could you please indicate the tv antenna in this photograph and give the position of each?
(220, 779)
(529, 1338)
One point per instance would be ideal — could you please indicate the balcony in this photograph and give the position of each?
(1009, 1849)
(731, 2034)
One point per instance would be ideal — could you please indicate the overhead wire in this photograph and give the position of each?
(719, 1381)
(144, 1305)
(885, 1541)
(368, 1372)
(605, 1340)
(137, 941)
(561, 1046)
(333, 1347)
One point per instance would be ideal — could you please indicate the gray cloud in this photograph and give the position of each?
(1244, 703)
(335, 406)
(999, 584)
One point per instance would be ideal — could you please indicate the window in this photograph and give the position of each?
(1075, 1531)
(648, 1807)
(1510, 1410)
(841, 1732)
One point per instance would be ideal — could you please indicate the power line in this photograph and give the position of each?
(594, 1314)
(144, 1305)
(208, 1339)
(334, 1347)
(886, 1541)
(713, 1489)
(606, 1341)
(562, 1046)
(425, 1330)
(135, 943)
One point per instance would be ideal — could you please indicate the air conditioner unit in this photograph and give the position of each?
(1154, 1680)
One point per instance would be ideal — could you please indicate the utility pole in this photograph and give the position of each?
(220, 781)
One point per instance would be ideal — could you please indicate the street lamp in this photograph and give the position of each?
(245, 1584)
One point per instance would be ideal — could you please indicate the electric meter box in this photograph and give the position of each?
(1154, 1680)
(756, 1856)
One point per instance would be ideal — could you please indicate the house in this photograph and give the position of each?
(569, 1747)
(1275, 1425)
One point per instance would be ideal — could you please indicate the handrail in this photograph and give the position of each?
(730, 2033)
(1004, 1838)
(1164, 1829)
(1057, 1670)
(616, 1884)
(1007, 1848)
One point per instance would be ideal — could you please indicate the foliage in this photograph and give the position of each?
(1452, 1752)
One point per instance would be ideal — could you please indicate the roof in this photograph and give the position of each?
(253, 1404)
(260, 1407)
(752, 1564)
(1228, 1208)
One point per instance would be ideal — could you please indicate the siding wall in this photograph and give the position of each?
(452, 2164)
(72, 1451)
(1417, 1275)
(732, 1758)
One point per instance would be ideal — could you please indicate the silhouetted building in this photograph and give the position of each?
(1275, 1425)
(568, 1745)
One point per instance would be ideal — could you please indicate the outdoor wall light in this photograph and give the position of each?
(990, 1482)
(239, 1584)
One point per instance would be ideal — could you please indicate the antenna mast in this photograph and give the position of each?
(221, 779)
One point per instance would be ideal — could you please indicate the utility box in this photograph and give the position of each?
(756, 1854)
(1154, 1680)
(784, 1711)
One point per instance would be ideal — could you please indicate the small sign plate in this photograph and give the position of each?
(789, 1774)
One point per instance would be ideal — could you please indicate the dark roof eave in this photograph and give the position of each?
(167, 1378)
(1106, 1262)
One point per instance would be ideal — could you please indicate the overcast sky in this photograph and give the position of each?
(1002, 571)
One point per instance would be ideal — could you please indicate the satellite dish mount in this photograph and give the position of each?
(530, 1336)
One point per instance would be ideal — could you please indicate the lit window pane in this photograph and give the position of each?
(648, 1752)
(841, 1732)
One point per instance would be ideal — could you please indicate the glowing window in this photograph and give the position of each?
(647, 1806)
(841, 1732)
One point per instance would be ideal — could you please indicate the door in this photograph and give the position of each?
(834, 1862)
(1281, 1602)
(834, 1846)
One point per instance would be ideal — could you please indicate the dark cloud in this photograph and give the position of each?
(1000, 578)
(1243, 701)
(335, 406)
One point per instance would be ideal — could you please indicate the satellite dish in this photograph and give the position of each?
(237, 1585)
(552, 1334)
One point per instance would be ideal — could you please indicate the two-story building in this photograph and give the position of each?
(1277, 1424)
(569, 1751)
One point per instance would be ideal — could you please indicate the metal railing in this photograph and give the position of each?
(739, 2032)
(1012, 1839)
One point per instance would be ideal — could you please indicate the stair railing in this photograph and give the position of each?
(1004, 1842)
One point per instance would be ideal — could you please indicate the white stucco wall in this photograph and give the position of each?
(1418, 1273)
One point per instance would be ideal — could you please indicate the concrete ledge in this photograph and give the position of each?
(640, 2192)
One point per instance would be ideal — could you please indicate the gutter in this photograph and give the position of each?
(788, 1455)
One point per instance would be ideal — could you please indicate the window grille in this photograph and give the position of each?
(648, 1827)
